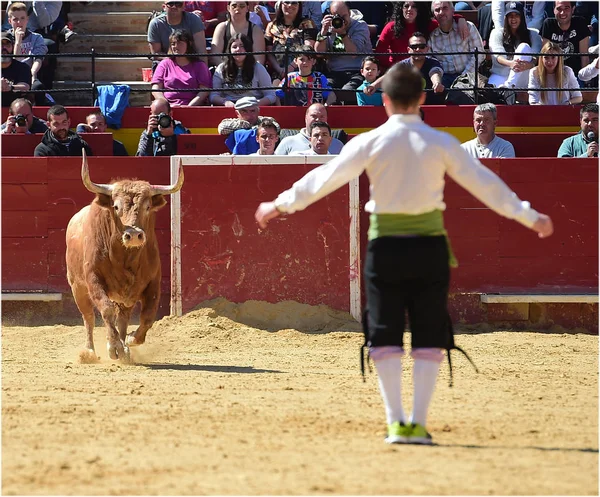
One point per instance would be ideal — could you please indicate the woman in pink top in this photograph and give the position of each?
(181, 71)
(409, 17)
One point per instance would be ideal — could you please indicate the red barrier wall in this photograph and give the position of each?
(345, 116)
(304, 258)
(24, 145)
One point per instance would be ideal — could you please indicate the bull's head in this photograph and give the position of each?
(131, 203)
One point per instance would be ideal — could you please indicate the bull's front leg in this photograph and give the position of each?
(108, 309)
(150, 300)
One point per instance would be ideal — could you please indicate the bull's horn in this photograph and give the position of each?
(88, 183)
(168, 190)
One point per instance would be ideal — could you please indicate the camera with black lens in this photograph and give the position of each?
(21, 120)
(337, 22)
(164, 120)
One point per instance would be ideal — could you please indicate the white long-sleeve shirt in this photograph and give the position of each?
(406, 161)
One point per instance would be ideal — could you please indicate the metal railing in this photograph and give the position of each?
(288, 55)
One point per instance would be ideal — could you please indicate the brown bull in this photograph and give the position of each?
(113, 259)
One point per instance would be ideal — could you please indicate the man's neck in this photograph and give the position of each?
(6, 64)
(446, 28)
(418, 62)
(174, 19)
(485, 139)
(564, 25)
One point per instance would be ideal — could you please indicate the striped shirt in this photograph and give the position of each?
(452, 42)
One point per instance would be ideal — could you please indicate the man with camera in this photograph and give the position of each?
(160, 137)
(340, 33)
(21, 119)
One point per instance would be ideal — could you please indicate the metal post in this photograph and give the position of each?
(476, 89)
(93, 77)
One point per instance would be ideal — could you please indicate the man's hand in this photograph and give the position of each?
(592, 149)
(265, 212)
(11, 125)
(463, 28)
(19, 35)
(326, 25)
(229, 103)
(369, 90)
(6, 84)
(438, 87)
(543, 226)
(152, 124)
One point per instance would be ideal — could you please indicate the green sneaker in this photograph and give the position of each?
(398, 433)
(418, 435)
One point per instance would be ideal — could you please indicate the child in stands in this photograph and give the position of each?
(305, 86)
(370, 71)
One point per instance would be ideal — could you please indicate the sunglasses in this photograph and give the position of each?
(174, 4)
(415, 46)
(290, 3)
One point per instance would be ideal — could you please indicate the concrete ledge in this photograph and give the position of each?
(32, 297)
(543, 299)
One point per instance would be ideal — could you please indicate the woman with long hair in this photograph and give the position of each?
(515, 40)
(241, 71)
(407, 18)
(288, 28)
(551, 72)
(181, 71)
(238, 22)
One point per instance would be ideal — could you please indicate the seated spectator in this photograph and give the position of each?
(351, 36)
(175, 18)
(16, 76)
(512, 70)
(590, 72)
(487, 145)
(210, 13)
(534, 14)
(570, 33)
(305, 86)
(59, 140)
(259, 15)
(21, 119)
(287, 29)
(552, 73)
(445, 38)
(26, 42)
(267, 136)
(96, 123)
(320, 140)
(241, 132)
(160, 136)
(182, 71)
(238, 23)
(239, 71)
(585, 143)
(301, 141)
(408, 18)
(370, 71)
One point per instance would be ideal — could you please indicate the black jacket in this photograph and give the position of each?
(50, 146)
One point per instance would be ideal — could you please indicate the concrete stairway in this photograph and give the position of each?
(108, 27)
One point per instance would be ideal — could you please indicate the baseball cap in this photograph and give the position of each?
(7, 36)
(513, 7)
(245, 102)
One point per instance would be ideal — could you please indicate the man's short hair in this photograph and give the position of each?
(268, 122)
(589, 107)
(15, 7)
(487, 107)
(370, 58)
(18, 101)
(418, 34)
(96, 113)
(318, 124)
(56, 110)
(433, 6)
(403, 84)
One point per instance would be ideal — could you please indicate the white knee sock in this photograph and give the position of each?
(424, 378)
(389, 372)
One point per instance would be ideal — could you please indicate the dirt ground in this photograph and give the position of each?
(260, 399)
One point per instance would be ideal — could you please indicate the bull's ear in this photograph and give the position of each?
(104, 201)
(158, 202)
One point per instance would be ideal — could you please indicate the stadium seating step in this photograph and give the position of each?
(136, 99)
(109, 69)
(114, 6)
(113, 22)
(109, 43)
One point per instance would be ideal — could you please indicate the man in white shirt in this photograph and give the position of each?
(487, 145)
(320, 139)
(301, 142)
(408, 256)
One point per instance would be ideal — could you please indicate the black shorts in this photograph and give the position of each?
(408, 274)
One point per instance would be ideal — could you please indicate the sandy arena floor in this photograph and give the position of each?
(226, 401)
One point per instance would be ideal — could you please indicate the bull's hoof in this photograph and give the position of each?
(133, 341)
(125, 356)
(88, 356)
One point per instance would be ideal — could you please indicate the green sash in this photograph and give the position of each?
(427, 224)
